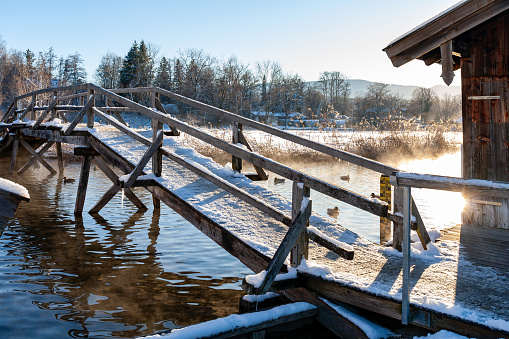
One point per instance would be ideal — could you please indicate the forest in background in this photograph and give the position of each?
(228, 84)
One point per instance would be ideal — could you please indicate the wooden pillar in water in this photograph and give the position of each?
(485, 105)
(60, 157)
(82, 185)
(157, 158)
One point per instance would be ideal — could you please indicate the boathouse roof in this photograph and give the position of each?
(424, 41)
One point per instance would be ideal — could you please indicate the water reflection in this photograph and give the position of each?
(118, 274)
(438, 209)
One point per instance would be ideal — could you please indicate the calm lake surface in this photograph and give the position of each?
(125, 273)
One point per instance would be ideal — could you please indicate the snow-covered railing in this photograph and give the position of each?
(468, 187)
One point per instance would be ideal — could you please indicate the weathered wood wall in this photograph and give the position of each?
(485, 72)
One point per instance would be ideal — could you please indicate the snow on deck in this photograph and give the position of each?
(442, 279)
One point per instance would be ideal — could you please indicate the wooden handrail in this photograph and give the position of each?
(454, 184)
(357, 200)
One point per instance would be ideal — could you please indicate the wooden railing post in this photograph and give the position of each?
(407, 221)
(34, 103)
(157, 158)
(385, 195)
(90, 112)
(397, 227)
(54, 110)
(300, 249)
(237, 130)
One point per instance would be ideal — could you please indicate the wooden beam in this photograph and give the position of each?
(300, 194)
(144, 160)
(98, 160)
(82, 186)
(105, 199)
(466, 186)
(447, 62)
(8, 112)
(60, 158)
(236, 161)
(45, 113)
(285, 247)
(68, 130)
(442, 29)
(246, 323)
(327, 316)
(27, 110)
(261, 173)
(14, 154)
(29, 163)
(160, 107)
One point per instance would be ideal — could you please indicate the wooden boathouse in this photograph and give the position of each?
(472, 36)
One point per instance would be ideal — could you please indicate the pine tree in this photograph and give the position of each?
(128, 71)
(164, 77)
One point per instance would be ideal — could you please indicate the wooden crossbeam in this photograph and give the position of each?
(32, 161)
(286, 246)
(37, 156)
(98, 160)
(144, 160)
(9, 111)
(80, 116)
(45, 113)
(160, 107)
(261, 173)
(27, 110)
(10, 138)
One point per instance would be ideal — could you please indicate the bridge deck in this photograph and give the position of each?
(443, 279)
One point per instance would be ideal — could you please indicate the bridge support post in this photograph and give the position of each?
(14, 154)
(300, 248)
(83, 184)
(60, 158)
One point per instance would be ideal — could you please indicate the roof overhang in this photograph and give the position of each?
(424, 41)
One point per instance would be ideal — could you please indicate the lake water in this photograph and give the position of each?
(125, 273)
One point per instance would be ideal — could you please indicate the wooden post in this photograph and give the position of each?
(90, 112)
(34, 101)
(385, 195)
(397, 228)
(236, 162)
(82, 186)
(54, 110)
(300, 249)
(405, 290)
(60, 158)
(14, 154)
(157, 158)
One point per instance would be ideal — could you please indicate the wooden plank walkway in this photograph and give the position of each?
(451, 283)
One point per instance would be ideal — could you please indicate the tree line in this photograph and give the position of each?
(228, 84)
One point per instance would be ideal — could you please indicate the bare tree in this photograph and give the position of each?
(422, 102)
(108, 72)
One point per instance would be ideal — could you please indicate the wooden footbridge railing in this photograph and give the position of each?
(29, 115)
(157, 113)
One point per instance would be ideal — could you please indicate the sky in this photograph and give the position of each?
(304, 37)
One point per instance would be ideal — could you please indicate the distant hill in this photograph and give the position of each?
(360, 86)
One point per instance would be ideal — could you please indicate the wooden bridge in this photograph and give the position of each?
(262, 229)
